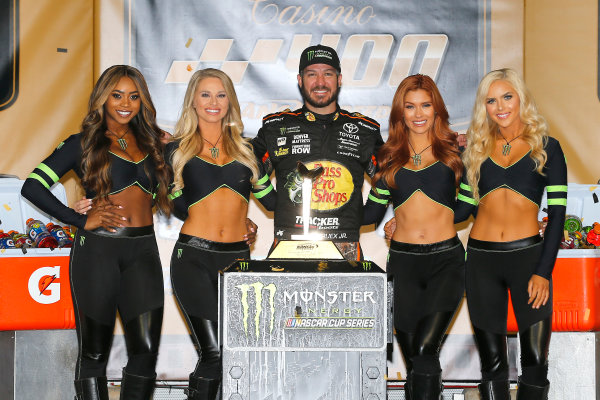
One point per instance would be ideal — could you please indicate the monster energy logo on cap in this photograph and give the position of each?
(258, 300)
(319, 54)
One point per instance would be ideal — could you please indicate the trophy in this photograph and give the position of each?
(306, 245)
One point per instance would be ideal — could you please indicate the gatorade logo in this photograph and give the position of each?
(43, 286)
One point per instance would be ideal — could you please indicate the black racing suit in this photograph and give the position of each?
(344, 144)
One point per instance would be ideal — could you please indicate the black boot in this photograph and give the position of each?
(526, 391)
(201, 388)
(91, 389)
(494, 390)
(426, 386)
(135, 387)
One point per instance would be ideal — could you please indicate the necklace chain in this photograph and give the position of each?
(214, 150)
(417, 156)
(507, 147)
(122, 142)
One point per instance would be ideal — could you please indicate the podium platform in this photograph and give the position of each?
(305, 330)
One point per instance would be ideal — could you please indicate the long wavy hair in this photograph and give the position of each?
(95, 160)
(188, 133)
(481, 135)
(395, 153)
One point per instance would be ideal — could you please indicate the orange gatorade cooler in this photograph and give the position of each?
(35, 290)
(34, 282)
(576, 284)
(576, 276)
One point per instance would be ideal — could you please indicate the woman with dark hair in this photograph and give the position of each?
(114, 261)
(510, 160)
(419, 171)
(214, 172)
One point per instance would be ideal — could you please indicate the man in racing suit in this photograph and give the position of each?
(320, 134)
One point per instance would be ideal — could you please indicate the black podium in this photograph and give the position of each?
(304, 329)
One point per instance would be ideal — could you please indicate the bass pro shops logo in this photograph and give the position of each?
(258, 289)
(42, 285)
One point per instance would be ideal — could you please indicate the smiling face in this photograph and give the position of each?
(419, 113)
(320, 86)
(210, 101)
(502, 104)
(123, 103)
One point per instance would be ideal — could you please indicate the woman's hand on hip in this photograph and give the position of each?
(539, 291)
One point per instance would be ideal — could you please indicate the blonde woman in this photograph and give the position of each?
(214, 172)
(510, 160)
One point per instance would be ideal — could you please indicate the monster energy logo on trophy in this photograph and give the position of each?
(258, 300)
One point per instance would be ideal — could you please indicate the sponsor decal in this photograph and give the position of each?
(81, 240)
(330, 323)
(271, 120)
(348, 154)
(179, 253)
(244, 265)
(254, 306)
(42, 285)
(331, 309)
(334, 188)
(282, 151)
(310, 116)
(301, 138)
(368, 126)
(350, 128)
(318, 222)
(281, 141)
(301, 149)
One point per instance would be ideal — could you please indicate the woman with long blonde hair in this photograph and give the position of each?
(419, 171)
(214, 172)
(510, 160)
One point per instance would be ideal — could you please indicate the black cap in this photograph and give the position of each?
(319, 54)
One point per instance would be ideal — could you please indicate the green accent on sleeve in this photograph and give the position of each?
(465, 187)
(39, 178)
(60, 145)
(153, 196)
(557, 202)
(565, 158)
(377, 200)
(383, 191)
(263, 192)
(557, 188)
(466, 199)
(175, 195)
(263, 180)
(48, 171)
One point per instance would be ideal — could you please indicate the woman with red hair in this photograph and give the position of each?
(419, 171)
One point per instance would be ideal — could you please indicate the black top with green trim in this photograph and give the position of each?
(201, 178)
(522, 178)
(67, 156)
(435, 181)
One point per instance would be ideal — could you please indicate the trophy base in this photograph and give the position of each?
(306, 249)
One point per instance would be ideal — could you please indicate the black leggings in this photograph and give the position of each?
(428, 287)
(492, 269)
(111, 272)
(195, 265)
